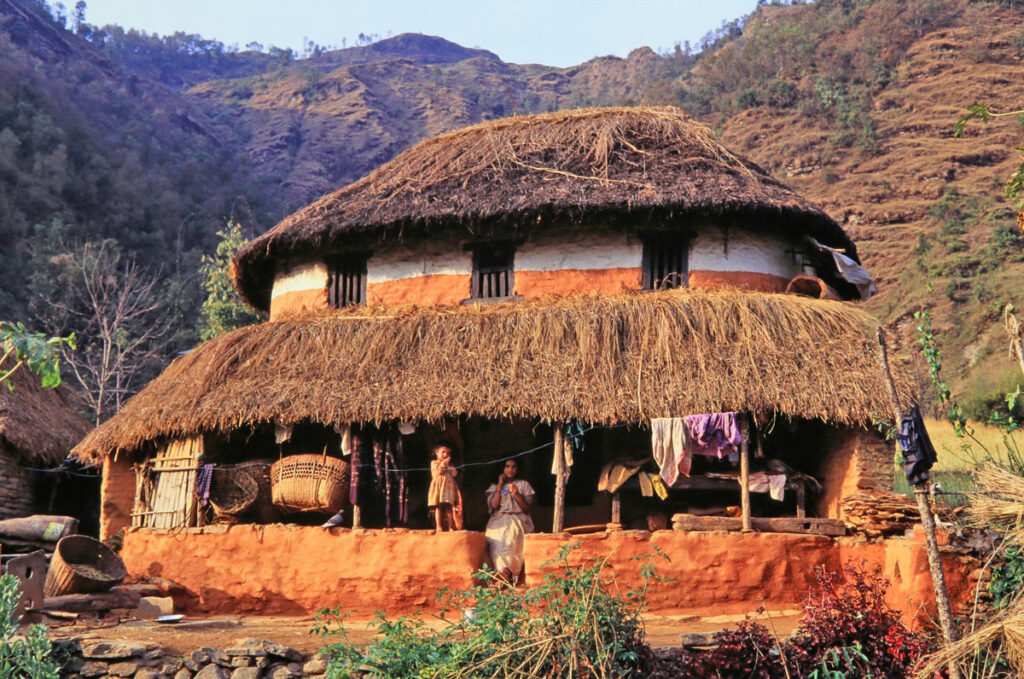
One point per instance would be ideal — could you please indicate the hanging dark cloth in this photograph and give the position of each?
(389, 460)
(918, 452)
(360, 481)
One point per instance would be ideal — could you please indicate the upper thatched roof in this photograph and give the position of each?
(514, 175)
(600, 359)
(41, 425)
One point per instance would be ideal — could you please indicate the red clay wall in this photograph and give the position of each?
(278, 569)
(858, 460)
(283, 569)
(117, 495)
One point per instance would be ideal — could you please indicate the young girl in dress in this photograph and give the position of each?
(444, 492)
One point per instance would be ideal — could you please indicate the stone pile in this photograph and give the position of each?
(244, 659)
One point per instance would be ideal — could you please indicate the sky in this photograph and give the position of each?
(552, 32)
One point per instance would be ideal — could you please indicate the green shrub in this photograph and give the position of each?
(26, 655)
(572, 624)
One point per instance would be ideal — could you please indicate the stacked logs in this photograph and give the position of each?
(879, 514)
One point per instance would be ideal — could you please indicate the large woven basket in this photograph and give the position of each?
(309, 483)
(81, 565)
(233, 490)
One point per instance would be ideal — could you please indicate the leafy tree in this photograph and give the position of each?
(41, 355)
(224, 309)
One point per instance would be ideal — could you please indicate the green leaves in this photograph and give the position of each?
(40, 354)
(26, 655)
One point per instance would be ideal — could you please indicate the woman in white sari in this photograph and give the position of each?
(509, 502)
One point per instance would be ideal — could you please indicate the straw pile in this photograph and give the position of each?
(508, 177)
(1000, 508)
(599, 359)
(40, 425)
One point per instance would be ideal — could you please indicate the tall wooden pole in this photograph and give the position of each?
(745, 474)
(928, 523)
(560, 472)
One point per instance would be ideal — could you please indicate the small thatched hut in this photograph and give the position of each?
(38, 428)
(521, 289)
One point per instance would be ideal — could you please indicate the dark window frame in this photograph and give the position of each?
(666, 260)
(493, 277)
(346, 279)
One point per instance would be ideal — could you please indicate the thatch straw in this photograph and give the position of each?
(40, 425)
(1000, 506)
(599, 359)
(517, 175)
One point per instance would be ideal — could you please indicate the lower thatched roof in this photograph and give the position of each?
(598, 359)
(41, 425)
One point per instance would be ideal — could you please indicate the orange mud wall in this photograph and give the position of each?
(294, 570)
(117, 495)
(858, 460)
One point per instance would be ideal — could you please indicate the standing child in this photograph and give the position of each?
(444, 492)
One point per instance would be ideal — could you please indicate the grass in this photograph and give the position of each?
(959, 458)
(962, 454)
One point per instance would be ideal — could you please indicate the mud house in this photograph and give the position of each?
(38, 428)
(549, 288)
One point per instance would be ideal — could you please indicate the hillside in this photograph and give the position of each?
(157, 141)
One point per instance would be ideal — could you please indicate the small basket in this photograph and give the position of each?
(81, 565)
(233, 491)
(309, 483)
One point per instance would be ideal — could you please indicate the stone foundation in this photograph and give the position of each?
(245, 659)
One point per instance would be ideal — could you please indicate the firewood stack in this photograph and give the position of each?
(878, 514)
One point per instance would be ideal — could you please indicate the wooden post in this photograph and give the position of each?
(355, 516)
(745, 474)
(927, 522)
(560, 472)
(617, 508)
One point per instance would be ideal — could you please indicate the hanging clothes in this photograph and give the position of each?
(204, 479)
(765, 482)
(669, 447)
(918, 452)
(282, 433)
(360, 479)
(389, 474)
(345, 432)
(714, 434)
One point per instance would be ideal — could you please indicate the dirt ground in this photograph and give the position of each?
(663, 631)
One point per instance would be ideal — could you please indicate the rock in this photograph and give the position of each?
(282, 651)
(93, 669)
(246, 673)
(280, 673)
(192, 665)
(183, 674)
(111, 650)
(212, 672)
(241, 661)
(315, 666)
(253, 651)
(202, 655)
(154, 606)
(153, 654)
(170, 666)
(146, 673)
(124, 669)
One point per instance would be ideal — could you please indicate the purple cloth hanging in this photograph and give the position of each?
(204, 479)
(714, 434)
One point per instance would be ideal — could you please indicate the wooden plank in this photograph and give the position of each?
(558, 520)
(811, 526)
(84, 603)
(745, 474)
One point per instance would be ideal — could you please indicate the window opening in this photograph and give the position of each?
(346, 281)
(666, 262)
(492, 271)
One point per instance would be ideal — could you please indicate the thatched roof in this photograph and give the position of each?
(40, 425)
(517, 175)
(600, 359)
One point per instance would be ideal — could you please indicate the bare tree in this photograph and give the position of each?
(122, 324)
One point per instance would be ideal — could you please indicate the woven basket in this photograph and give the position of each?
(80, 565)
(233, 490)
(309, 483)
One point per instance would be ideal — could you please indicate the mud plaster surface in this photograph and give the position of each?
(280, 569)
